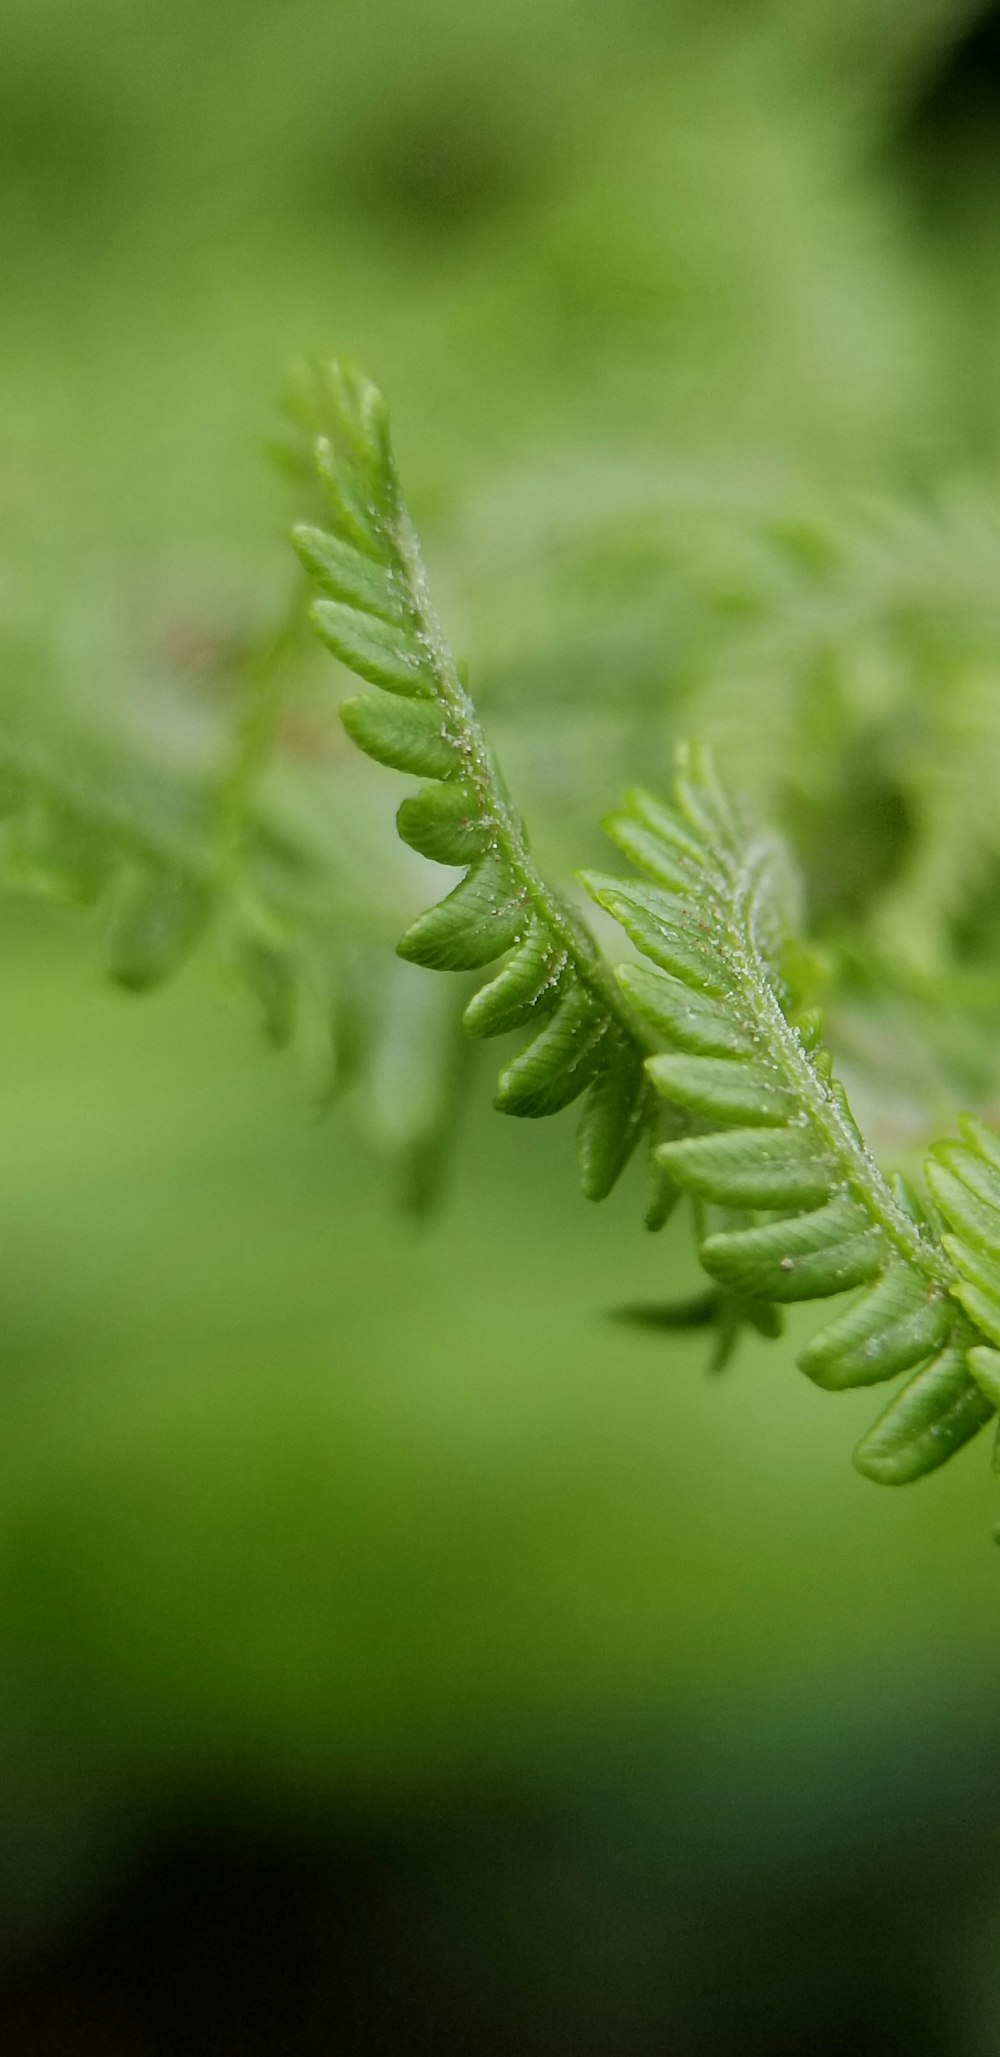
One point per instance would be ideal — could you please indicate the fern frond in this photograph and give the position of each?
(169, 852)
(378, 618)
(794, 1206)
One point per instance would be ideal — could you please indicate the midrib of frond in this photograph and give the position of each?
(854, 1162)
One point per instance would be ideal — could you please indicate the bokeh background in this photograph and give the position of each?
(396, 1654)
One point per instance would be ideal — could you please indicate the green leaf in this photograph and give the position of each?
(375, 650)
(408, 735)
(661, 932)
(354, 578)
(974, 1214)
(742, 1168)
(159, 919)
(984, 1365)
(442, 822)
(713, 1309)
(272, 976)
(663, 1192)
(561, 1061)
(932, 1417)
(50, 846)
(657, 844)
(895, 1325)
(685, 1017)
(724, 1089)
(357, 519)
(613, 1118)
(474, 925)
(808, 1257)
(700, 1310)
(527, 989)
(983, 1304)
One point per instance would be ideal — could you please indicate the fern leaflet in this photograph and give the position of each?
(378, 618)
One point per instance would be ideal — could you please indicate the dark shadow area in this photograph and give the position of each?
(954, 121)
(438, 168)
(964, 89)
(490, 1937)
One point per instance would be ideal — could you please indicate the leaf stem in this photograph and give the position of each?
(850, 1153)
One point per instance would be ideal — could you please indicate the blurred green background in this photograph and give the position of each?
(395, 1654)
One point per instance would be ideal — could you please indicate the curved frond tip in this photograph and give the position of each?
(378, 619)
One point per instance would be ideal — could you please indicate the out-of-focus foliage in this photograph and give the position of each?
(675, 369)
(688, 315)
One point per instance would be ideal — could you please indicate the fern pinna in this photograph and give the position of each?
(378, 618)
(702, 1045)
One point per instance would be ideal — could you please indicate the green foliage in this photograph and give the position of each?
(379, 620)
(789, 1202)
(230, 849)
(791, 1205)
(964, 1179)
(691, 320)
(709, 1047)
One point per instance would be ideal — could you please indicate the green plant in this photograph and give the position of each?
(230, 846)
(707, 1046)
